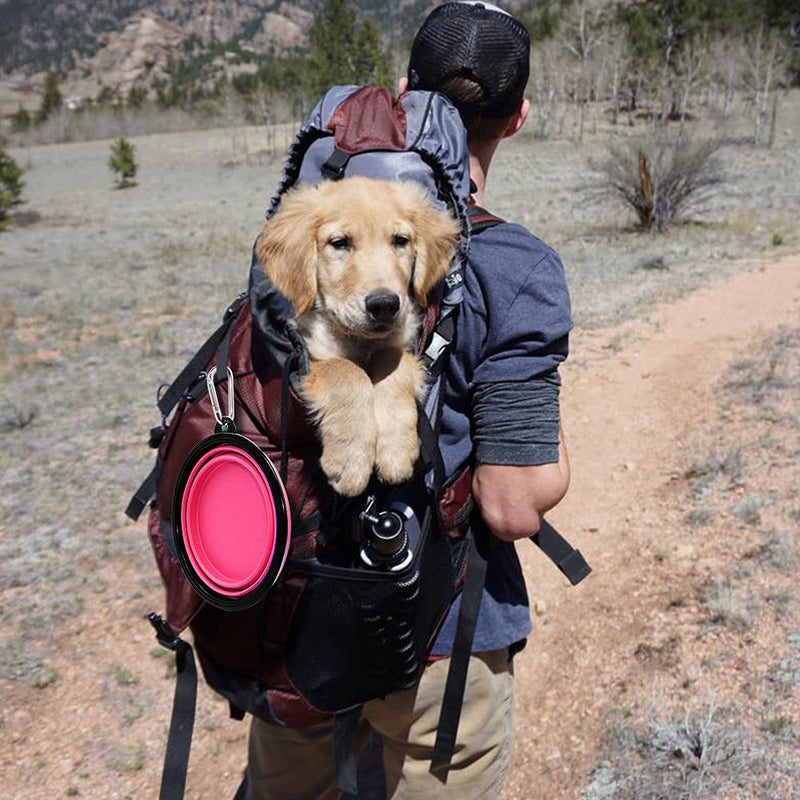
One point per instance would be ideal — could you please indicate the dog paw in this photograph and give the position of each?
(348, 472)
(395, 458)
(394, 471)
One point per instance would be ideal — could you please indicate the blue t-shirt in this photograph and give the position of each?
(513, 325)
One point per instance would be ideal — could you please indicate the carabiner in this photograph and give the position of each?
(212, 393)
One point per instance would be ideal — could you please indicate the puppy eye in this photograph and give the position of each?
(340, 243)
(400, 240)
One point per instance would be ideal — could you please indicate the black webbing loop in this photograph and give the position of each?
(561, 553)
(179, 740)
(459, 658)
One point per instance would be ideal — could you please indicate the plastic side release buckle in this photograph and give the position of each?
(333, 169)
(167, 637)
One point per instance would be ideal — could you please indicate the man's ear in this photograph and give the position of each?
(518, 119)
(402, 86)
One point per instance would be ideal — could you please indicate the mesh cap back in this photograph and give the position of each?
(476, 41)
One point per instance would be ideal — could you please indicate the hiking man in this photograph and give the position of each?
(501, 414)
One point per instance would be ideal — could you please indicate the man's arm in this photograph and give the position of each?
(514, 499)
(523, 321)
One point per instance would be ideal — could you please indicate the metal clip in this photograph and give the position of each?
(212, 393)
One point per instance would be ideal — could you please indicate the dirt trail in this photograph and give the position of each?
(634, 398)
(630, 418)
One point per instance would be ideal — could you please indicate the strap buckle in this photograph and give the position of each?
(333, 169)
(165, 634)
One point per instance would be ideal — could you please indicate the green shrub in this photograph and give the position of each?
(122, 162)
(10, 187)
(21, 121)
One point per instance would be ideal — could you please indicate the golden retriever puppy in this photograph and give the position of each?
(357, 258)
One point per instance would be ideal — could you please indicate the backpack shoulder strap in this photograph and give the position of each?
(480, 219)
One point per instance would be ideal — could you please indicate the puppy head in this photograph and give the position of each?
(361, 252)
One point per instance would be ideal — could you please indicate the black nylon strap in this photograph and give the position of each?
(429, 450)
(222, 357)
(345, 756)
(561, 553)
(459, 659)
(143, 494)
(179, 740)
(371, 770)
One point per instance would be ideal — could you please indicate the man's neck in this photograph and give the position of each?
(478, 176)
(480, 157)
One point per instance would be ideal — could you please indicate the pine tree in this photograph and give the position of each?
(51, 98)
(331, 43)
(342, 51)
(122, 162)
(369, 64)
(136, 96)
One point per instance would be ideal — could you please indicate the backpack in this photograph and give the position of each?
(331, 633)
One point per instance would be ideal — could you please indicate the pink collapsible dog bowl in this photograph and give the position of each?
(231, 521)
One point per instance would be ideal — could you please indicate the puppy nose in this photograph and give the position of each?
(382, 305)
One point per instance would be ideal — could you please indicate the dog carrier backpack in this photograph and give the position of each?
(336, 629)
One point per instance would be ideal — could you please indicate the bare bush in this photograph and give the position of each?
(660, 179)
(699, 756)
(17, 417)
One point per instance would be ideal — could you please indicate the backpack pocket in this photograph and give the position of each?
(360, 633)
(182, 602)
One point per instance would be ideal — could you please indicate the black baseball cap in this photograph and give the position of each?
(477, 41)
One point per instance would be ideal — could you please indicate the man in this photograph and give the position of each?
(501, 414)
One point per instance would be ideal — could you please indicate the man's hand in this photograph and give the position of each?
(514, 499)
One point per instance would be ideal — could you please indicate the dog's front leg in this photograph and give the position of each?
(339, 394)
(397, 379)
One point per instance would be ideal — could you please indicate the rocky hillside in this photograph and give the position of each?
(39, 35)
(138, 54)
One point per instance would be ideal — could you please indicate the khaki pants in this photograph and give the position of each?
(297, 764)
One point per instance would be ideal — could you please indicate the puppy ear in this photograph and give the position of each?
(436, 234)
(287, 247)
